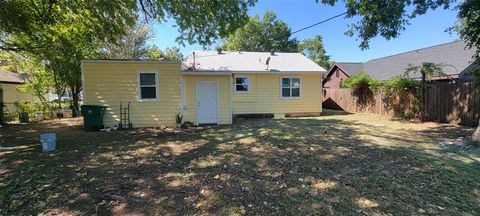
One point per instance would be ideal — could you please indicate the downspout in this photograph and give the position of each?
(182, 95)
(321, 93)
(231, 108)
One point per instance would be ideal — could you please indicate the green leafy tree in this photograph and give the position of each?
(173, 53)
(39, 23)
(170, 53)
(262, 35)
(63, 61)
(132, 45)
(469, 13)
(469, 29)
(38, 80)
(61, 33)
(385, 18)
(427, 70)
(313, 49)
(33, 26)
(154, 53)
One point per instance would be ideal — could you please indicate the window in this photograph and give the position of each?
(241, 84)
(148, 86)
(337, 73)
(290, 87)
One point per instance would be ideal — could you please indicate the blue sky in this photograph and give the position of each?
(424, 31)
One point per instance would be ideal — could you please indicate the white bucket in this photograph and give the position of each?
(48, 141)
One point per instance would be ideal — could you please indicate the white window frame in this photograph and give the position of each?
(235, 84)
(157, 86)
(300, 88)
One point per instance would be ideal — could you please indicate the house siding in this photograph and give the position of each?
(109, 83)
(12, 95)
(333, 82)
(264, 95)
(190, 97)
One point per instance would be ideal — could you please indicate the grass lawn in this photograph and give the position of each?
(330, 165)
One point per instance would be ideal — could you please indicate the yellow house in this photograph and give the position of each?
(9, 94)
(207, 88)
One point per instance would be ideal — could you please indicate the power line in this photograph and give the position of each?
(318, 23)
(313, 25)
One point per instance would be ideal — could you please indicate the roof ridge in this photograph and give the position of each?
(236, 51)
(349, 62)
(405, 52)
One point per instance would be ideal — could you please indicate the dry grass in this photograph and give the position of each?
(334, 164)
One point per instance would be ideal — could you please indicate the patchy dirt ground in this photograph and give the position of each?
(335, 164)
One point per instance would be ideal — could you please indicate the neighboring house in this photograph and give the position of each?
(9, 82)
(455, 57)
(338, 72)
(207, 88)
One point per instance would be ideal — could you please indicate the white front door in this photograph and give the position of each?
(207, 103)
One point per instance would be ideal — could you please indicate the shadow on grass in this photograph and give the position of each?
(257, 166)
(332, 112)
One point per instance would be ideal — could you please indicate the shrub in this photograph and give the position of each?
(187, 124)
(29, 107)
(359, 80)
(402, 95)
(363, 88)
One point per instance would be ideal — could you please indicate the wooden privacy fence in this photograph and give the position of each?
(446, 103)
(456, 104)
(343, 99)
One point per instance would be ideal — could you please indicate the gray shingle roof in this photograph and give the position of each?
(456, 58)
(10, 77)
(352, 68)
(211, 61)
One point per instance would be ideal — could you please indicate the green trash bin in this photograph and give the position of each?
(93, 117)
(23, 117)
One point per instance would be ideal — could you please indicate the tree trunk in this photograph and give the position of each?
(422, 108)
(75, 104)
(476, 134)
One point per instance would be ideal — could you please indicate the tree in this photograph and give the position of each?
(265, 35)
(40, 22)
(128, 46)
(173, 53)
(314, 50)
(469, 30)
(38, 80)
(61, 33)
(385, 18)
(428, 70)
(170, 53)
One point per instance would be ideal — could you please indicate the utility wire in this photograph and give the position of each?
(318, 23)
(310, 26)
(305, 28)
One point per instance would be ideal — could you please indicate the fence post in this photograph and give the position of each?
(2, 118)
